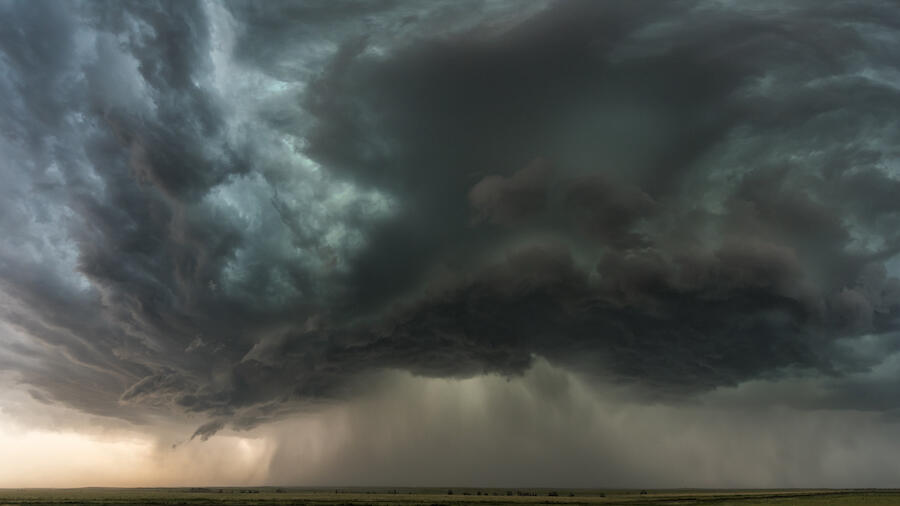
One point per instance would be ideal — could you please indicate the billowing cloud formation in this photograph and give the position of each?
(243, 209)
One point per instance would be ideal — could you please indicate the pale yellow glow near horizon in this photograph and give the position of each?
(46, 458)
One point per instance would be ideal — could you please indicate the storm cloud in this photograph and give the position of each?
(242, 210)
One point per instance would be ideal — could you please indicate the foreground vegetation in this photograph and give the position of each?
(441, 497)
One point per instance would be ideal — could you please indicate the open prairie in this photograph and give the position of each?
(439, 497)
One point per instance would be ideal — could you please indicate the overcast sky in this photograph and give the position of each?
(499, 243)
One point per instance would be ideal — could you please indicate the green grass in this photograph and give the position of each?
(440, 497)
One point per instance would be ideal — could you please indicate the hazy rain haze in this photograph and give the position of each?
(450, 243)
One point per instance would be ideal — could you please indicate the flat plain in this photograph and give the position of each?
(235, 496)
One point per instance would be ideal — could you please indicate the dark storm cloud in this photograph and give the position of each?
(235, 210)
(502, 200)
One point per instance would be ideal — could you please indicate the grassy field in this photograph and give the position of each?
(441, 497)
